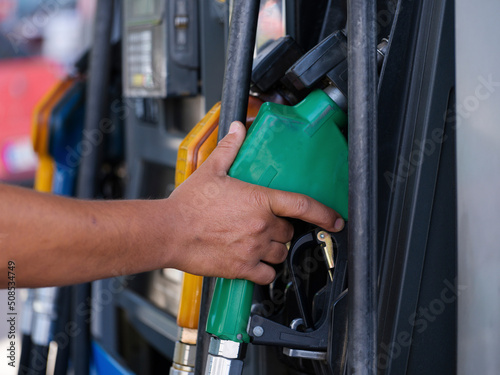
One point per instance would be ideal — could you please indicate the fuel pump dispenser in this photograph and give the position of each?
(155, 65)
(298, 142)
(170, 68)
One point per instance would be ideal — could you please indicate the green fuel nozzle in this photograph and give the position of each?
(299, 149)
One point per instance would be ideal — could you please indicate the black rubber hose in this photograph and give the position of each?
(95, 110)
(237, 73)
(80, 344)
(362, 109)
(25, 355)
(203, 338)
(239, 58)
(60, 335)
(96, 100)
(38, 360)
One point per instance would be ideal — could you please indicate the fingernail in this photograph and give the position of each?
(233, 128)
(339, 224)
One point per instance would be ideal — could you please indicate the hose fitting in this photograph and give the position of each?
(225, 357)
(184, 359)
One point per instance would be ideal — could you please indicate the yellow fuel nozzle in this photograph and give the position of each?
(40, 134)
(197, 145)
(193, 151)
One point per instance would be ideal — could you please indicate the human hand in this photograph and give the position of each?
(229, 228)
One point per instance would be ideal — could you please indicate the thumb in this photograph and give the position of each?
(224, 154)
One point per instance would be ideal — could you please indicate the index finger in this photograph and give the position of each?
(300, 206)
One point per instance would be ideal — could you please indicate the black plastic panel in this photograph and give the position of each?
(417, 190)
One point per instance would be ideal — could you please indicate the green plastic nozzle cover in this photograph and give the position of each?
(299, 149)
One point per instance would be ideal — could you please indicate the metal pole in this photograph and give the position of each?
(239, 58)
(362, 44)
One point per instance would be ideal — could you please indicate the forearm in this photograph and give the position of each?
(55, 240)
(212, 225)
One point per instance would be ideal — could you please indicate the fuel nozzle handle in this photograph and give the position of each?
(313, 66)
(337, 77)
(327, 58)
(274, 61)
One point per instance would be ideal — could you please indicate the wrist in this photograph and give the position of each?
(159, 233)
(145, 239)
